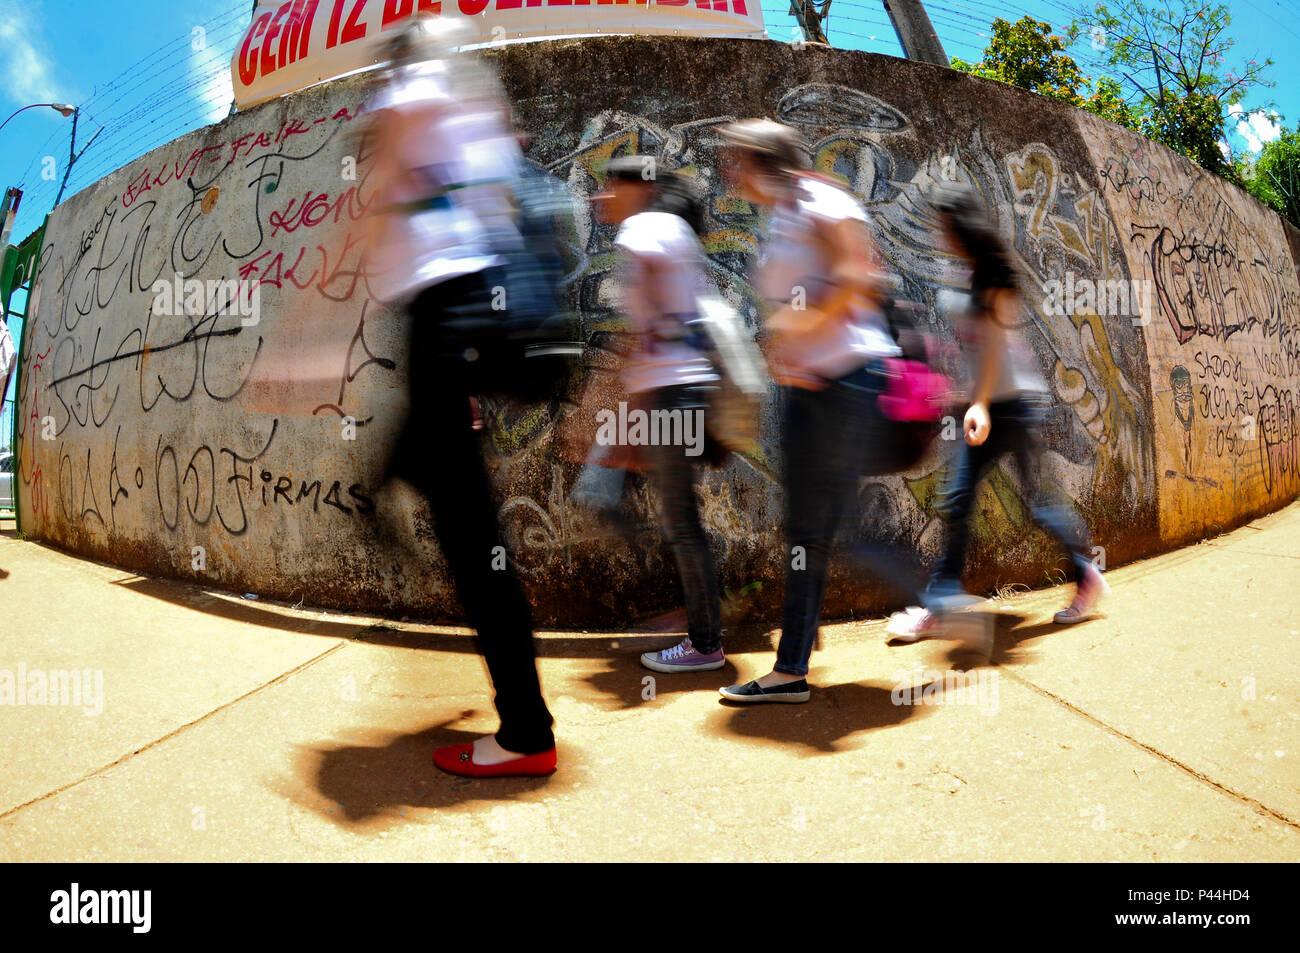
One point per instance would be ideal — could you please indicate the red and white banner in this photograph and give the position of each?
(295, 43)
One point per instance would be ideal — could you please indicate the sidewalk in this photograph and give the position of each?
(234, 730)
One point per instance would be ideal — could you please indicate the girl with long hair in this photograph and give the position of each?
(825, 339)
(1009, 400)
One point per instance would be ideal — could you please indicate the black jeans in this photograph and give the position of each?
(1016, 428)
(673, 475)
(439, 455)
(832, 438)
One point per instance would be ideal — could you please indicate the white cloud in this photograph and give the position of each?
(1257, 128)
(24, 64)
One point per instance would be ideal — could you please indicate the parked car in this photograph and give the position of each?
(7, 463)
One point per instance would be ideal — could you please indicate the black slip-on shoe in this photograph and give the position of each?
(791, 692)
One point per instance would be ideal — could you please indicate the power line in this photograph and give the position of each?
(185, 40)
(157, 97)
(137, 91)
(140, 107)
(166, 68)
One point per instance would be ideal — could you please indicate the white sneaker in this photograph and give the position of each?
(913, 624)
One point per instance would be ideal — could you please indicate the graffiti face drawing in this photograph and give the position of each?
(1181, 381)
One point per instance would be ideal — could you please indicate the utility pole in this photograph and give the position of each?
(73, 154)
(916, 32)
(8, 211)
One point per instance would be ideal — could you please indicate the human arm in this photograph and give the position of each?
(847, 284)
(1000, 314)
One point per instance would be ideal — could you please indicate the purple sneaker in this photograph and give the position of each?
(1088, 593)
(682, 657)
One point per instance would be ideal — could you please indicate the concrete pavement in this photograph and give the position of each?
(230, 729)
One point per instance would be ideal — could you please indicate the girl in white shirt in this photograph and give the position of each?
(826, 339)
(661, 276)
(440, 215)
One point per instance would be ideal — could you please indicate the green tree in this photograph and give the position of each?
(1107, 101)
(1027, 54)
(1274, 177)
(1172, 58)
(1192, 126)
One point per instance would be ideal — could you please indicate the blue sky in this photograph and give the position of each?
(133, 68)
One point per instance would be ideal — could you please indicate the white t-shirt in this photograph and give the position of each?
(1018, 373)
(455, 157)
(667, 243)
(792, 257)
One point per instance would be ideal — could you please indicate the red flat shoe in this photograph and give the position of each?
(458, 759)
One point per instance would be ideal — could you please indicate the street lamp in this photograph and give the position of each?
(63, 108)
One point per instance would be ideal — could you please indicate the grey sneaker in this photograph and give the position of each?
(682, 657)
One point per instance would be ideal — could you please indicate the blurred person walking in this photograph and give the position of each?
(441, 216)
(1009, 401)
(826, 341)
(662, 275)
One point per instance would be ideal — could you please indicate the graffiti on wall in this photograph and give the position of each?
(1223, 342)
(138, 422)
(1058, 223)
(168, 431)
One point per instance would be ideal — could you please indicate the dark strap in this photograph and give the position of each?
(415, 207)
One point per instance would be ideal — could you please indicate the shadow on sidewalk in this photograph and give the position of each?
(624, 683)
(1008, 648)
(458, 638)
(248, 613)
(1008, 639)
(831, 715)
(358, 785)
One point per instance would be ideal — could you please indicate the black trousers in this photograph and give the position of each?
(439, 454)
(673, 476)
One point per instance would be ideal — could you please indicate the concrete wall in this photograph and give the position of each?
(170, 433)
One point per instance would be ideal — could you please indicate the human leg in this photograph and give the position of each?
(442, 459)
(673, 476)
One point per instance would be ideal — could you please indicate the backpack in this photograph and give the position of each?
(733, 413)
(522, 341)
